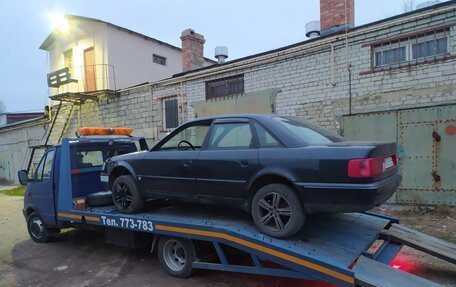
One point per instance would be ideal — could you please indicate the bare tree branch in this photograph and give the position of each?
(408, 5)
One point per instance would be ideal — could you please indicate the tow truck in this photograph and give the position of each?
(354, 249)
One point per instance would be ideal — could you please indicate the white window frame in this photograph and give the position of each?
(389, 48)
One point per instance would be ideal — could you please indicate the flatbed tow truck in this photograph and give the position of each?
(345, 249)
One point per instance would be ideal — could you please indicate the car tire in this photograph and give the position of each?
(277, 210)
(176, 256)
(126, 196)
(102, 198)
(36, 229)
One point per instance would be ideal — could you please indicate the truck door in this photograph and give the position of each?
(42, 188)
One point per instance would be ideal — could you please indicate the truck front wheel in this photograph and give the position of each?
(36, 229)
(126, 195)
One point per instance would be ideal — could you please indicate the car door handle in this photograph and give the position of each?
(187, 163)
(244, 163)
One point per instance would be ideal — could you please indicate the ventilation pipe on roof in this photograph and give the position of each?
(221, 53)
(313, 29)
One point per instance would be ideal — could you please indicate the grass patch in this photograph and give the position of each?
(16, 191)
(443, 211)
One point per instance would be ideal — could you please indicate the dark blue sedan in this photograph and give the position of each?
(277, 168)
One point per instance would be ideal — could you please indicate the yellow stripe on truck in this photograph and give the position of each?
(79, 217)
(267, 250)
(69, 215)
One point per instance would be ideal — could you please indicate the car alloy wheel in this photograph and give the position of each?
(122, 195)
(275, 211)
(126, 196)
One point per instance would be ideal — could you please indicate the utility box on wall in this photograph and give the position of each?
(426, 139)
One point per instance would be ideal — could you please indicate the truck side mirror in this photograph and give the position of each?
(23, 177)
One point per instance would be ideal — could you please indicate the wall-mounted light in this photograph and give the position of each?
(58, 21)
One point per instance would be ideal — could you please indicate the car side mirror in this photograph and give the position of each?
(23, 177)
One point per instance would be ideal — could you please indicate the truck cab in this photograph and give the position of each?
(87, 155)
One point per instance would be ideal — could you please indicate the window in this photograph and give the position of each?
(159, 60)
(170, 113)
(44, 170)
(429, 48)
(415, 48)
(39, 170)
(47, 169)
(68, 59)
(390, 56)
(225, 87)
(264, 137)
(85, 159)
(235, 135)
(307, 132)
(192, 136)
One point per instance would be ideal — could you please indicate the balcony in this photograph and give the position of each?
(81, 83)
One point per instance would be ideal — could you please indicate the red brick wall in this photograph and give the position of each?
(192, 50)
(332, 13)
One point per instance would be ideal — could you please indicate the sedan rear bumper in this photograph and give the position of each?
(338, 197)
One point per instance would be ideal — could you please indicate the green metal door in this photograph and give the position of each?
(426, 140)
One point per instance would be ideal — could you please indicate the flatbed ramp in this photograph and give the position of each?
(423, 242)
(331, 248)
(371, 273)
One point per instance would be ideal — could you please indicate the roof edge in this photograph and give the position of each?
(308, 41)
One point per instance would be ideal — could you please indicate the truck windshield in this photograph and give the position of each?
(308, 132)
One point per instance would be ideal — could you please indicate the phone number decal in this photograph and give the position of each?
(122, 222)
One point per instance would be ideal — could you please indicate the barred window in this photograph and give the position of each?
(411, 49)
(429, 48)
(170, 113)
(159, 59)
(390, 56)
(225, 87)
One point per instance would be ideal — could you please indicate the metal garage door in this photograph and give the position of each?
(6, 167)
(426, 140)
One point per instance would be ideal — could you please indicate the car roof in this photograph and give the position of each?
(228, 116)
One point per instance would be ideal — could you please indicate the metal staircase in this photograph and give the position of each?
(67, 94)
(59, 123)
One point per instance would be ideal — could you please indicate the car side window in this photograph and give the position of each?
(188, 138)
(231, 136)
(264, 137)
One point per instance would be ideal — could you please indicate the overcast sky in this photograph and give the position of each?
(246, 27)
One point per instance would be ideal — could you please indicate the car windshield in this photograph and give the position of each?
(306, 131)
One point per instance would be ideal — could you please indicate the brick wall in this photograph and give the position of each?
(316, 87)
(313, 84)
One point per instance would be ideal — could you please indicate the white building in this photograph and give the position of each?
(104, 56)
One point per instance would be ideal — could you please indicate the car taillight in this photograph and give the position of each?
(369, 167)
